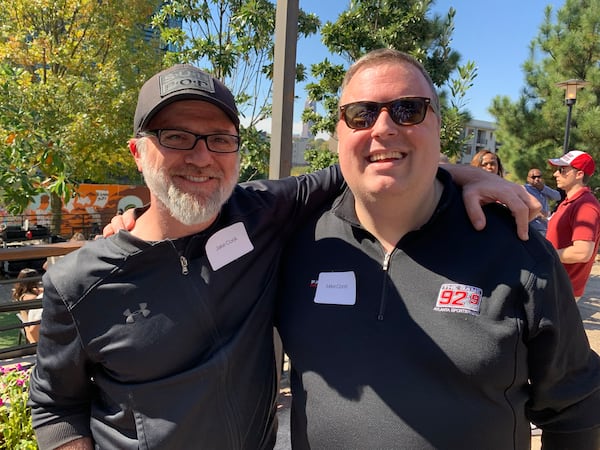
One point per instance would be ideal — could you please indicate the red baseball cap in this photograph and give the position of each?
(577, 159)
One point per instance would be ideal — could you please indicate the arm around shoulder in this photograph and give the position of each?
(481, 187)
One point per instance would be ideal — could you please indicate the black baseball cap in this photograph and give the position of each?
(181, 82)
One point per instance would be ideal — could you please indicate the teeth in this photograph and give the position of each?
(196, 179)
(382, 156)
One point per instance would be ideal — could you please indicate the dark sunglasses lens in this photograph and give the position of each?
(361, 115)
(408, 111)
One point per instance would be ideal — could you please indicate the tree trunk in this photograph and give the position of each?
(56, 208)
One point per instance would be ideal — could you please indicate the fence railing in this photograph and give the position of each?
(88, 224)
(29, 252)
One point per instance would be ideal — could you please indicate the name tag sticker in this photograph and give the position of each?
(227, 245)
(336, 288)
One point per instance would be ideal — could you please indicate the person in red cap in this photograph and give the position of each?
(574, 230)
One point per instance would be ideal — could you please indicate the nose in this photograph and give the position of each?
(198, 155)
(384, 125)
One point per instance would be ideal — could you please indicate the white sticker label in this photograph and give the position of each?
(227, 245)
(459, 298)
(336, 288)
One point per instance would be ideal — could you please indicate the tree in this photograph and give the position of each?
(318, 156)
(233, 40)
(532, 128)
(403, 25)
(68, 90)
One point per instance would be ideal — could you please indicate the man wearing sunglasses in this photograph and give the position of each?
(574, 229)
(405, 327)
(535, 186)
(163, 337)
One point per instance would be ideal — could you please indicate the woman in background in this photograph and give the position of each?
(24, 290)
(489, 161)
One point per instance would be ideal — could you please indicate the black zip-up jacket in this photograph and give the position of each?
(456, 339)
(169, 344)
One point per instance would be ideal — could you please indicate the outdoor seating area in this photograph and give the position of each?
(13, 342)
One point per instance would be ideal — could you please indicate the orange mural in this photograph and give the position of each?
(92, 206)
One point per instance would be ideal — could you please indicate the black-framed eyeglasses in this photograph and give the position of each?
(186, 140)
(535, 177)
(403, 111)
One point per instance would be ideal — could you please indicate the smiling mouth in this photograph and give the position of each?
(195, 178)
(386, 156)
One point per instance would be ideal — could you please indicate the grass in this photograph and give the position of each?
(11, 337)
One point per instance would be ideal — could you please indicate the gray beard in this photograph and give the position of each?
(186, 208)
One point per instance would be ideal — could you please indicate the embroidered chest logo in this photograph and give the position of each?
(143, 311)
(459, 298)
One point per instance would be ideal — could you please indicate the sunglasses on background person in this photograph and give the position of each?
(403, 111)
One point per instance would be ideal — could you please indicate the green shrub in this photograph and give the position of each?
(16, 431)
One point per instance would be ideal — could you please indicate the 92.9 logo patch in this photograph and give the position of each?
(459, 298)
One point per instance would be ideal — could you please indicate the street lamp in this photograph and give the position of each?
(570, 87)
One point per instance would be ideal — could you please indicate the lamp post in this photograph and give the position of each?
(570, 87)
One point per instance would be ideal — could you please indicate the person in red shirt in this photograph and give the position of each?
(574, 229)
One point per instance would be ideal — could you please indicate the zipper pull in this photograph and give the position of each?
(386, 260)
(184, 265)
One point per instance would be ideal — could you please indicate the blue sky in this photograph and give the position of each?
(495, 35)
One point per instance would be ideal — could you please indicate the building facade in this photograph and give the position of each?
(480, 135)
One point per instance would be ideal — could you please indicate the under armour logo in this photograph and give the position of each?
(144, 311)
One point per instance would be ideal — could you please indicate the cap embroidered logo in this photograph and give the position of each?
(185, 79)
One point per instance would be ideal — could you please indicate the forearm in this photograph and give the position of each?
(481, 187)
(575, 254)
(60, 388)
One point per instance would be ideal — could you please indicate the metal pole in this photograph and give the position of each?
(570, 102)
(284, 78)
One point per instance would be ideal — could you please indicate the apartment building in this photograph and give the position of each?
(481, 134)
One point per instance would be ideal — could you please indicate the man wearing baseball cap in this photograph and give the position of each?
(574, 229)
(162, 337)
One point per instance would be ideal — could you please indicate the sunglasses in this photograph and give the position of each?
(403, 111)
(535, 177)
(563, 170)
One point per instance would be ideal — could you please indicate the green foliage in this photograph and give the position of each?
(407, 26)
(68, 92)
(254, 160)
(532, 128)
(233, 40)
(16, 430)
(318, 156)
(454, 114)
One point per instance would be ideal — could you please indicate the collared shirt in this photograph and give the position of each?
(577, 218)
(547, 193)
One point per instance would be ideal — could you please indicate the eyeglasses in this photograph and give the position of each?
(403, 111)
(535, 177)
(186, 140)
(565, 169)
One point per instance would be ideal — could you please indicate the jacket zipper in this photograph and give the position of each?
(385, 266)
(183, 262)
(184, 265)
